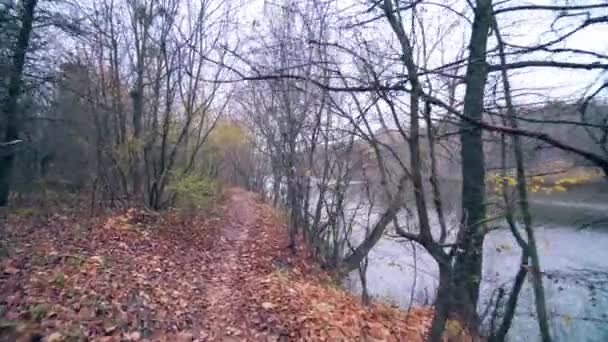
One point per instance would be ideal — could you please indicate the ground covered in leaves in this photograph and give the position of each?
(134, 275)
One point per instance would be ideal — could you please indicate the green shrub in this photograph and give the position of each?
(194, 191)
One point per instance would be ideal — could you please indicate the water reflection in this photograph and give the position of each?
(574, 261)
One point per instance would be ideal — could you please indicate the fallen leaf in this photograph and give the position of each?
(133, 336)
(184, 337)
(55, 337)
(268, 305)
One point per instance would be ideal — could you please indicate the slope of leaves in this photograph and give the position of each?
(220, 276)
(122, 277)
(303, 303)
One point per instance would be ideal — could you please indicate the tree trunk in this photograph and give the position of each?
(276, 187)
(9, 109)
(467, 267)
(352, 261)
(142, 22)
(443, 302)
(511, 305)
(509, 312)
(365, 298)
(522, 190)
(292, 198)
(138, 108)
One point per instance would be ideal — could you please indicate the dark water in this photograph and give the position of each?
(582, 207)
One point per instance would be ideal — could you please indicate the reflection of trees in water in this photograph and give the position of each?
(593, 280)
(450, 193)
(576, 297)
(591, 287)
(593, 283)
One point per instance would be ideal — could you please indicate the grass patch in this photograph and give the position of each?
(39, 311)
(26, 212)
(74, 261)
(59, 280)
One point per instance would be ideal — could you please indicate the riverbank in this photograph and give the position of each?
(222, 275)
(582, 206)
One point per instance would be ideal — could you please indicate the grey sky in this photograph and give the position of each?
(441, 24)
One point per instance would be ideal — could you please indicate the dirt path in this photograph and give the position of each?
(261, 292)
(224, 275)
(224, 290)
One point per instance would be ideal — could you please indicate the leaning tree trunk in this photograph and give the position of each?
(522, 190)
(509, 312)
(9, 107)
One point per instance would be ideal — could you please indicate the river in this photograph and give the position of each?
(574, 261)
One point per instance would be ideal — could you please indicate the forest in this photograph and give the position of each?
(285, 170)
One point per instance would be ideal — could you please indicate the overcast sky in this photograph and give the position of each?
(522, 28)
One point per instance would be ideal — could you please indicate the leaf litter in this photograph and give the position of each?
(223, 275)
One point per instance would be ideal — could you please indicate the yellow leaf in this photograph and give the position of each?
(559, 188)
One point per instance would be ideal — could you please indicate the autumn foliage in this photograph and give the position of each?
(139, 276)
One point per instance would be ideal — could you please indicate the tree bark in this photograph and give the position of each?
(142, 21)
(10, 105)
(443, 303)
(467, 267)
(511, 305)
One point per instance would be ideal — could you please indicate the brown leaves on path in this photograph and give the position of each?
(141, 276)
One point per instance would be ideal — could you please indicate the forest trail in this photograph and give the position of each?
(224, 274)
(224, 289)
